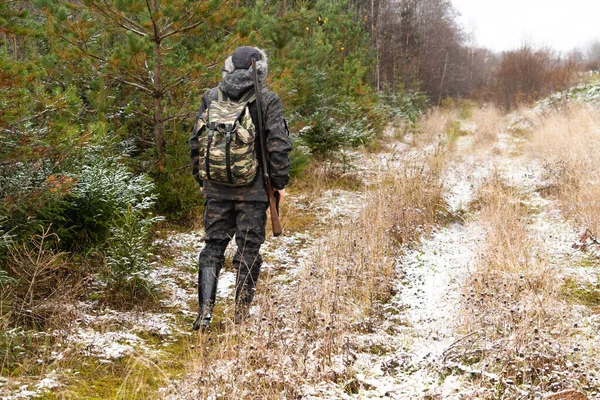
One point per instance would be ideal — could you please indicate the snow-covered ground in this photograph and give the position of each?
(419, 323)
(419, 326)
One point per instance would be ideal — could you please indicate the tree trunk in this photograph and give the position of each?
(443, 77)
(159, 140)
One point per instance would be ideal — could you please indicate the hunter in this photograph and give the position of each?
(233, 208)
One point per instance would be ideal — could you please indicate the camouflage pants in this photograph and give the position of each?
(247, 220)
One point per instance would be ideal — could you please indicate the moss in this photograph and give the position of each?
(133, 377)
(93, 380)
(584, 293)
(299, 222)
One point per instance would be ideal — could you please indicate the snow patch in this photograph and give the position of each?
(106, 346)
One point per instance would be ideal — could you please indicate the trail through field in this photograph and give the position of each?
(419, 324)
(410, 354)
(408, 350)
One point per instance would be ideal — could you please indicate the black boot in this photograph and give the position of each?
(245, 285)
(207, 292)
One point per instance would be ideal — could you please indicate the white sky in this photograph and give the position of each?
(506, 24)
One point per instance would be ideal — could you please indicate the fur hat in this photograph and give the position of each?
(242, 59)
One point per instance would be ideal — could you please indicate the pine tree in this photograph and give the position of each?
(140, 50)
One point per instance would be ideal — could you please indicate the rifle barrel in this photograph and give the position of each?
(276, 223)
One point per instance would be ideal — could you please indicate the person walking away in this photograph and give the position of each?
(225, 149)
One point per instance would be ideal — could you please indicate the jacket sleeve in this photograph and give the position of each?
(279, 143)
(193, 142)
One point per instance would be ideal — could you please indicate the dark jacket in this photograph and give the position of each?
(279, 144)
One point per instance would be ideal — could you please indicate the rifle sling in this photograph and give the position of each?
(228, 154)
(208, 143)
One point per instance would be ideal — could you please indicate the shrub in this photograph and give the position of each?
(38, 280)
(129, 251)
(299, 160)
(177, 191)
(5, 241)
(337, 123)
(4, 279)
(5, 238)
(103, 191)
(24, 189)
(527, 74)
(405, 104)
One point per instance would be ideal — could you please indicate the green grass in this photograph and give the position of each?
(454, 131)
(584, 293)
(132, 377)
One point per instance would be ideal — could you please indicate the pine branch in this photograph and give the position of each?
(188, 27)
(47, 110)
(135, 28)
(178, 82)
(157, 37)
(84, 51)
(181, 30)
(136, 85)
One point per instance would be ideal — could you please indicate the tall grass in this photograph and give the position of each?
(567, 143)
(297, 336)
(488, 121)
(519, 328)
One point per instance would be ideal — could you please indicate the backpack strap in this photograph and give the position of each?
(248, 97)
(228, 153)
(220, 95)
(208, 144)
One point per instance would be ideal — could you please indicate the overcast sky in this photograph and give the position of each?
(506, 24)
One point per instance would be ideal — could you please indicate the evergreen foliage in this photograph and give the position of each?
(5, 243)
(129, 251)
(97, 100)
(408, 104)
(321, 71)
(102, 195)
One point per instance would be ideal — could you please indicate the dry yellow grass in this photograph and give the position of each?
(301, 325)
(567, 143)
(434, 125)
(322, 175)
(520, 327)
(481, 125)
(488, 120)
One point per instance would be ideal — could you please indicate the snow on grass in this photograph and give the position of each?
(431, 294)
(226, 284)
(588, 93)
(49, 382)
(282, 253)
(106, 346)
(160, 324)
(23, 392)
(398, 359)
(341, 205)
(461, 181)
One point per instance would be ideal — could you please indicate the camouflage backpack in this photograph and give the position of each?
(223, 140)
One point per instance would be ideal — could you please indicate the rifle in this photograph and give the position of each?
(273, 202)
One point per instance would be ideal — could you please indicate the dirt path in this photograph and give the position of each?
(419, 322)
(403, 355)
(406, 356)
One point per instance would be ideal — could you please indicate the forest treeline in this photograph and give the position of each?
(97, 99)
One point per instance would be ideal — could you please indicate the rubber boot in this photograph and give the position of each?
(245, 287)
(207, 293)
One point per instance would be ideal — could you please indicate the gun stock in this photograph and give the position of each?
(273, 204)
(274, 208)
